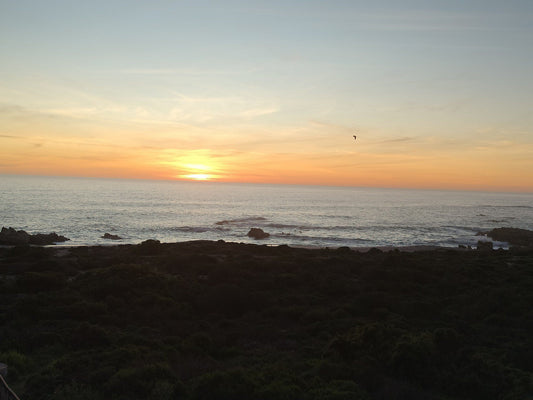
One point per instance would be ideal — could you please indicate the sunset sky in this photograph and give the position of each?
(439, 93)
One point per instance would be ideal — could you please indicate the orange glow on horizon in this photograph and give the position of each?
(198, 172)
(193, 165)
(198, 177)
(424, 168)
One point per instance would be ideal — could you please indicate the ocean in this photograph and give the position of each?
(83, 209)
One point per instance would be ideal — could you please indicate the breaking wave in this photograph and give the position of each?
(83, 209)
(240, 221)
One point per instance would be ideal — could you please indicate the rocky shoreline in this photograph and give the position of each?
(12, 237)
(513, 236)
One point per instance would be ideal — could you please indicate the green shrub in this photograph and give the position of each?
(225, 385)
(229, 300)
(89, 336)
(446, 340)
(338, 390)
(374, 340)
(329, 370)
(279, 390)
(412, 356)
(34, 282)
(76, 391)
(200, 343)
(141, 382)
(17, 363)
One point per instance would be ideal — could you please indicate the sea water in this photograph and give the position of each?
(83, 209)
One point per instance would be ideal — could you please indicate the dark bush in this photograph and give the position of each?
(279, 390)
(141, 382)
(76, 391)
(229, 300)
(17, 362)
(412, 356)
(339, 390)
(89, 336)
(447, 341)
(225, 385)
(34, 282)
(300, 324)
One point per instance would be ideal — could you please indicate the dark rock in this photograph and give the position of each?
(10, 236)
(482, 245)
(111, 237)
(150, 243)
(149, 247)
(514, 236)
(344, 250)
(47, 238)
(374, 250)
(258, 233)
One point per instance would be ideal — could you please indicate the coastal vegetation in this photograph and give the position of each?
(214, 320)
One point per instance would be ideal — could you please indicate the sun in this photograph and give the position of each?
(193, 165)
(198, 172)
(198, 177)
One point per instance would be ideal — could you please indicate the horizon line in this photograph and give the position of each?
(200, 182)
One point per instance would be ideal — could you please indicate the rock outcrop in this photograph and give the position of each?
(111, 237)
(483, 245)
(258, 233)
(513, 236)
(149, 247)
(10, 236)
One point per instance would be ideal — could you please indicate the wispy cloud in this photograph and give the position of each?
(204, 109)
(9, 109)
(257, 112)
(399, 140)
(420, 21)
(185, 71)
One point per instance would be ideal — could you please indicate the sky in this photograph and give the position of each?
(438, 93)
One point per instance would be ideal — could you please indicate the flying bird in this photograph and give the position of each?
(354, 137)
